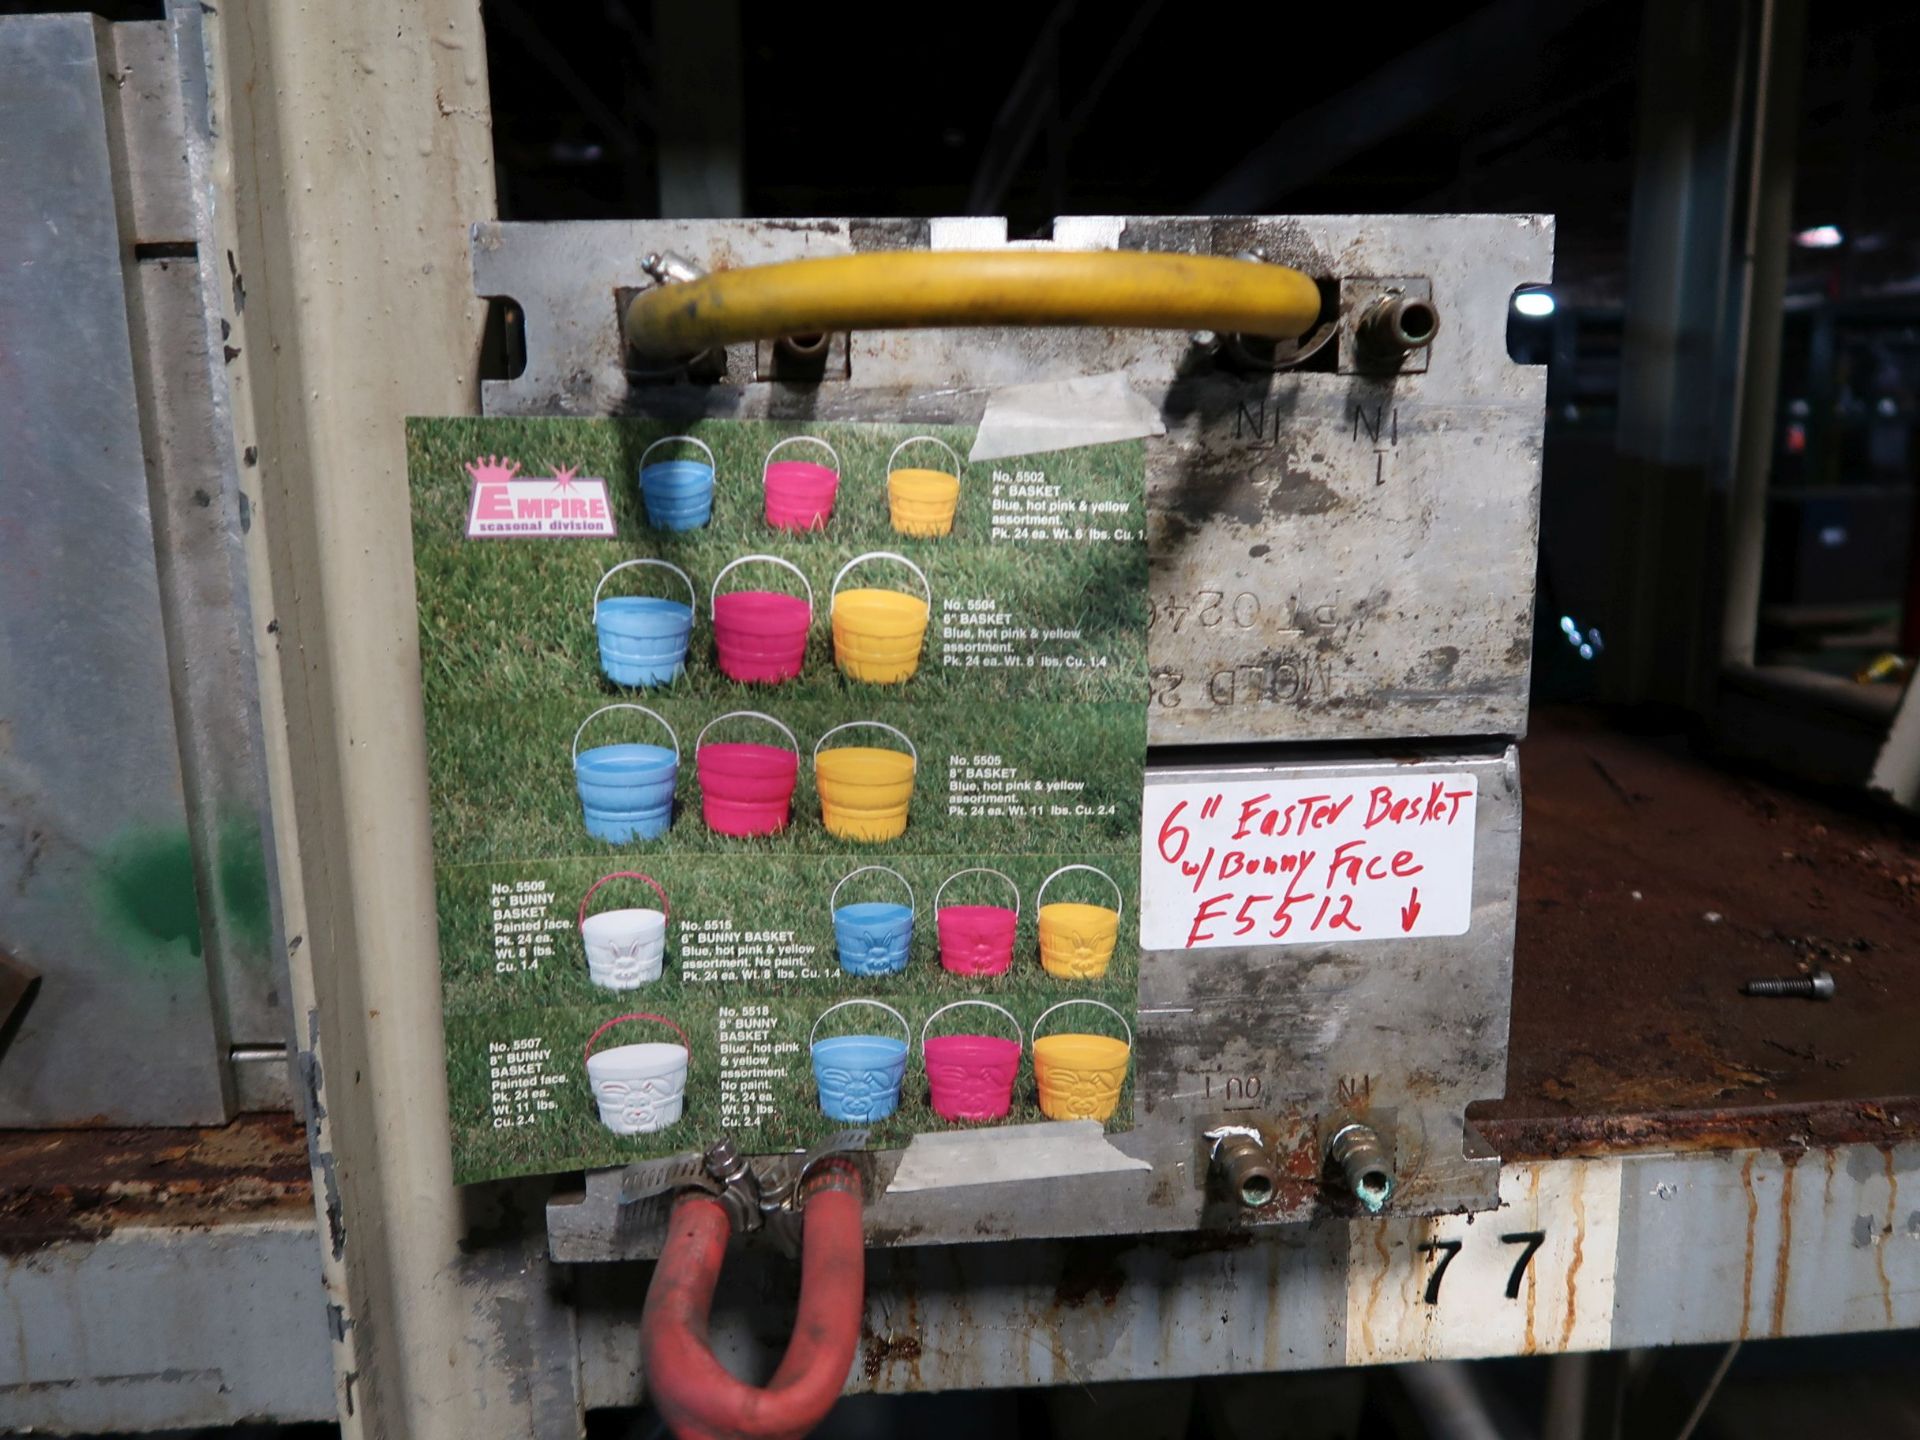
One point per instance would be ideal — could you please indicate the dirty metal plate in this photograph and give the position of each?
(1405, 1033)
(1334, 556)
(1585, 1255)
(96, 858)
(1406, 1030)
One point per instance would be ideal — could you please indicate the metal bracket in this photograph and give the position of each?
(752, 1197)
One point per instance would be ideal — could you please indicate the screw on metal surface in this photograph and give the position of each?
(666, 268)
(1361, 1156)
(1817, 986)
(1240, 1155)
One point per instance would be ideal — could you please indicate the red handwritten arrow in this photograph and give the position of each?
(1410, 911)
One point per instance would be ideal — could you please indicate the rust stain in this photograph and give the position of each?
(1530, 1343)
(1373, 1290)
(1826, 1189)
(1886, 1237)
(878, 1352)
(1785, 1128)
(59, 1185)
(1611, 1054)
(1753, 1217)
(1784, 1257)
(1579, 1198)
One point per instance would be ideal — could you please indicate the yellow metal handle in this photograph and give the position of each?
(934, 289)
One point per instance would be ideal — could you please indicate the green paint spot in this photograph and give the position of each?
(242, 876)
(146, 887)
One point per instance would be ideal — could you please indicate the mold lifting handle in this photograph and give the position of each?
(923, 289)
(699, 1399)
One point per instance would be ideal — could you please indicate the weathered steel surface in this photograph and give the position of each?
(96, 858)
(1647, 1250)
(1336, 555)
(165, 1329)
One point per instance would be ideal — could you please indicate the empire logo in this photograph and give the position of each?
(508, 506)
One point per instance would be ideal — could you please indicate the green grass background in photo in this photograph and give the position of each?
(777, 894)
(502, 784)
(571, 1136)
(515, 617)
(511, 667)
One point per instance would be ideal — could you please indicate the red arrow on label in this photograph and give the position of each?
(1410, 911)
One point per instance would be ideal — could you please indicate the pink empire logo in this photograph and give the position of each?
(506, 505)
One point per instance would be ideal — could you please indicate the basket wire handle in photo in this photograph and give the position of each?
(1020, 1035)
(912, 904)
(625, 705)
(977, 870)
(919, 574)
(746, 715)
(1119, 900)
(712, 464)
(639, 1015)
(958, 463)
(813, 1034)
(714, 593)
(1097, 1004)
(693, 596)
(581, 923)
(869, 725)
(779, 445)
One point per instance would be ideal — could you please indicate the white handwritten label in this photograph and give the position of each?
(1292, 862)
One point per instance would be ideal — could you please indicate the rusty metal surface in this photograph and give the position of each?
(58, 1185)
(1653, 1249)
(1651, 885)
(1335, 555)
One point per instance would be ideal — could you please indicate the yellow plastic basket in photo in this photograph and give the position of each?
(864, 790)
(922, 502)
(1079, 1075)
(1076, 940)
(877, 634)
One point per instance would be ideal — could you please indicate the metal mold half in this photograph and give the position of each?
(1335, 556)
(1405, 1032)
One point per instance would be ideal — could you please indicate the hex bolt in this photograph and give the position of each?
(1817, 986)
(1394, 326)
(1244, 1167)
(1364, 1164)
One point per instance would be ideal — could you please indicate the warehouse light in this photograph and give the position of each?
(1534, 304)
(1819, 237)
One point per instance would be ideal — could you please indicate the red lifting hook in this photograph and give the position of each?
(698, 1397)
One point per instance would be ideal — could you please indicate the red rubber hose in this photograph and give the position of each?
(693, 1391)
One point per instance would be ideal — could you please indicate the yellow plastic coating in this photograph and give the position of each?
(932, 289)
(1076, 941)
(1079, 1076)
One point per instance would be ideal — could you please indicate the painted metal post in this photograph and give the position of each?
(340, 153)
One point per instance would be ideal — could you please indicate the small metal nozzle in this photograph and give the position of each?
(804, 348)
(1396, 325)
(1240, 1156)
(1364, 1165)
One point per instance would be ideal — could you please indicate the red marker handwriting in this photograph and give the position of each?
(1410, 911)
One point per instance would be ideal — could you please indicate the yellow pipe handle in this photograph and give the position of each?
(933, 289)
